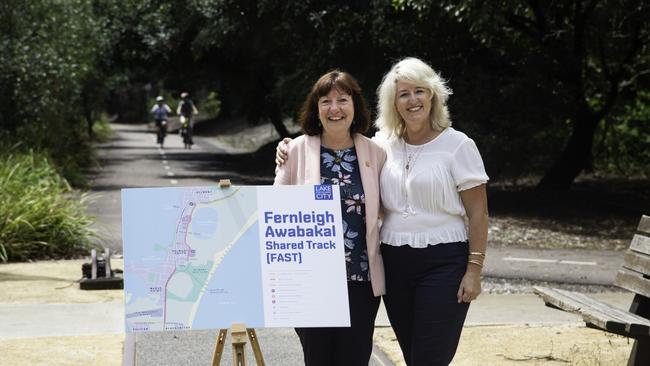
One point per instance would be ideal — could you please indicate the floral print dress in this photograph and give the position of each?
(341, 167)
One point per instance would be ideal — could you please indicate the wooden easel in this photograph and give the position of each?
(238, 332)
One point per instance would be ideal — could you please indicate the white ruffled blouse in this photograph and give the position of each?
(423, 206)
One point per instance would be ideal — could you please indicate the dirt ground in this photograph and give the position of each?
(596, 213)
(526, 345)
(50, 282)
(100, 350)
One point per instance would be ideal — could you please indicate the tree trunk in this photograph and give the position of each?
(88, 113)
(89, 125)
(577, 153)
(275, 115)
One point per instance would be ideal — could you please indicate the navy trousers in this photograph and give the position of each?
(421, 302)
(349, 346)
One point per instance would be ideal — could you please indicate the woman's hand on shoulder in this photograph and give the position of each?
(282, 151)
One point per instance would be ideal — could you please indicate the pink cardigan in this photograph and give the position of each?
(303, 167)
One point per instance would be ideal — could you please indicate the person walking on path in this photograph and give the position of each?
(187, 110)
(332, 151)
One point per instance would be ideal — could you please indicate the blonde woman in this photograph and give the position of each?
(433, 178)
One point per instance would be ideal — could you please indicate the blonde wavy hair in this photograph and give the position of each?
(417, 72)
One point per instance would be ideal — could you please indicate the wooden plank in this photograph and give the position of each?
(637, 262)
(633, 282)
(594, 308)
(598, 313)
(594, 312)
(552, 297)
(640, 355)
(614, 331)
(640, 244)
(644, 224)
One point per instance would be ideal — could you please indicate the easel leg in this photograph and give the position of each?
(259, 359)
(218, 347)
(239, 333)
(238, 357)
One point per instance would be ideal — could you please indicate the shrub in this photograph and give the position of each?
(211, 106)
(102, 131)
(40, 216)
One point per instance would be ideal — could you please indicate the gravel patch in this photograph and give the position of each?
(494, 285)
(527, 232)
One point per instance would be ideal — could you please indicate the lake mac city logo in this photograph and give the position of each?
(323, 192)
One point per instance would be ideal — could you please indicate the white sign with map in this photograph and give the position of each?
(207, 257)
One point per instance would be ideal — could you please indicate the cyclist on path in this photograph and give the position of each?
(160, 112)
(186, 109)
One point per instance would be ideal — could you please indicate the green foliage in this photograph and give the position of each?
(571, 64)
(211, 105)
(51, 52)
(48, 87)
(102, 130)
(624, 140)
(39, 216)
(518, 69)
(524, 72)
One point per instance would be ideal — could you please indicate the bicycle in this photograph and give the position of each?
(161, 131)
(186, 132)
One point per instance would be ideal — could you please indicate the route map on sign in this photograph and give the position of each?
(194, 259)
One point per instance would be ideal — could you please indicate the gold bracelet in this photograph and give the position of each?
(475, 262)
(478, 254)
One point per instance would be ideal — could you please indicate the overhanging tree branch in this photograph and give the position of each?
(615, 85)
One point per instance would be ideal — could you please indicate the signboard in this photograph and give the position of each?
(207, 257)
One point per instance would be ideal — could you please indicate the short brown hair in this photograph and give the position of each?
(343, 82)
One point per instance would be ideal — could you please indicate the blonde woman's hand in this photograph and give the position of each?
(282, 151)
(470, 286)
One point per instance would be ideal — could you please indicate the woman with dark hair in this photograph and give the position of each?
(333, 151)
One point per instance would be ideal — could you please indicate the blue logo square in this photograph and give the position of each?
(323, 192)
